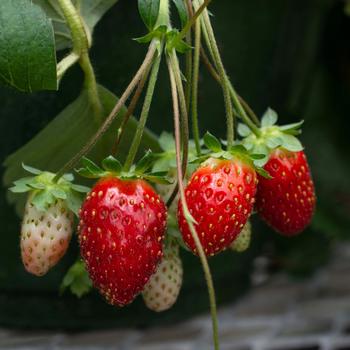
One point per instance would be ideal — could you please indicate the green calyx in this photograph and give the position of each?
(215, 150)
(272, 136)
(45, 191)
(111, 167)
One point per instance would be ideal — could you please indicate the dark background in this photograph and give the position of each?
(291, 55)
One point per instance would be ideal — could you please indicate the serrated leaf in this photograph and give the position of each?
(291, 143)
(111, 164)
(149, 11)
(66, 135)
(243, 130)
(212, 143)
(77, 280)
(27, 47)
(182, 11)
(269, 118)
(91, 10)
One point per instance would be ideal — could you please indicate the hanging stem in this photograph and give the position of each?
(66, 63)
(223, 76)
(109, 120)
(189, 65)
(130, 111)
(144, 115)
(253, 118)
(195, 79)
(81, 42)
(188, 217)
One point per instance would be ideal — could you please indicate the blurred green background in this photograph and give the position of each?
(291, 55)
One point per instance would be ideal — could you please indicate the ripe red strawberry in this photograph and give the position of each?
(220, 197)
(121, 236)
(287, 201)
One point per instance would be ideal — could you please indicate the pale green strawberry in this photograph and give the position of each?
(242, 242)
(163, 288)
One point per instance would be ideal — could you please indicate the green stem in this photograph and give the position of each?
(189, 65)
(188, 217)
(81, 42)
(66, 63)
(195, 79)
(144, 115)
(114, 113)
(163, 17)
(223, 76)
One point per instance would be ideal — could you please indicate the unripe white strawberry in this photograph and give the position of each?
(242, 242)
(45, 236)
(163, 288)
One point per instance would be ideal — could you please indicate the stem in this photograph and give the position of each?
(144, 115)
(195, 78)
(189, 65)
(193, 19)
(223, 76)
(130, 111)
(66, 63)
(109, 120)
(253, 118)
(187, 214)
(81, 42)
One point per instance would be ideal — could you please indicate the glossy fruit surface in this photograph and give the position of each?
(121, 236)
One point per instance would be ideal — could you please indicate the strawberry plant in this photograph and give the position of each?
(150, 197)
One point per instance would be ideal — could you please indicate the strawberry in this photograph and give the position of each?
(287, 201)
(220, 197)
(163, 288)
(121, 232)
(242, 242)
(45, 236)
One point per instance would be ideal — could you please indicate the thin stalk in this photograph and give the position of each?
(188, 75)
(109, 120)
(188, 217)
(223, 76)
(195, 78)
(66, 63)
(130, 111)
(81, 42)
(144, 115)
(253, 118)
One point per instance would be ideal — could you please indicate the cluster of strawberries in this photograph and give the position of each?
(123, 221)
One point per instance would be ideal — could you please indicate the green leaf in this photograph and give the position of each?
(274, 142)
(74, 201)
(145, 162)
(181, 9)
(149, 11)
(212, 142)
(80, 188)
(27, 47)
(294, 126)
(42, 199)
(91, 11)
(263, 173)
(31, 169)
(269, 118)
(68, 177)
(291, 143)
(77, 280)
(243, 130)
(111, 164)
(157, 179)
(65, 135)
(59, 193)
(167, 141)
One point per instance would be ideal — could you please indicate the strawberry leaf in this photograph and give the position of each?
(243, 130)
(212, 143)
(31, 169)
(182, 11)
(269, 118)
(291, 143)
(112, 164)
(149, 11)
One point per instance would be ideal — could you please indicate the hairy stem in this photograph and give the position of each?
(66, 63)
(222, 73)
(144, 115)
(109, 120)
(188, 217)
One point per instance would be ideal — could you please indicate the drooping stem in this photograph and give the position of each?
(109, 120)
(209, 34)
(66, 63)
(188, 217)
(195, 78)
(81, 42)
(253, 118)
(144, 114)
(130, 111)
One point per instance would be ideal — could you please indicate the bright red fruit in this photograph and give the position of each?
(121, 236)
(220, 196)
(287, 201)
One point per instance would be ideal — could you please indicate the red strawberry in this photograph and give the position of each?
(287, 201)
(121, 236)
(220, 197)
